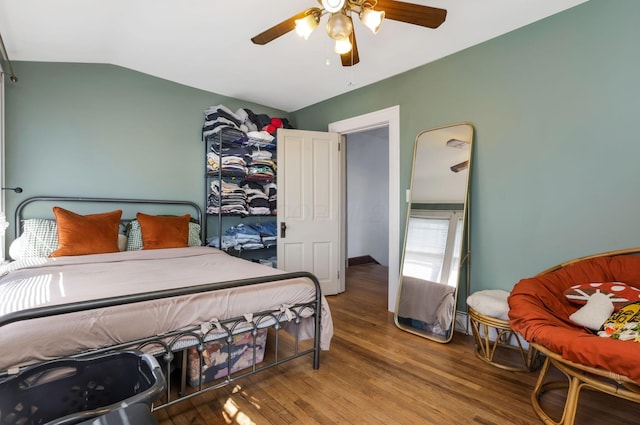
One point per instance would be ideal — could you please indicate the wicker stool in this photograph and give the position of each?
(495, 341)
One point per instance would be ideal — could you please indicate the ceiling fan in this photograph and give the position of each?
(340, 24)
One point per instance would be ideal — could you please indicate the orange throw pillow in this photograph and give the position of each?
(86, 234)
(164, 231)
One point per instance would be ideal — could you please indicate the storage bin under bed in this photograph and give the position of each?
(69, 391)
(215, 356)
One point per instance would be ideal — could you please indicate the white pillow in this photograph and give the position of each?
(122, 242)
(490, 302)
(17, 248)
(594, 313)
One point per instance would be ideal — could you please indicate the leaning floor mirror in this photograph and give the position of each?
(436, 232)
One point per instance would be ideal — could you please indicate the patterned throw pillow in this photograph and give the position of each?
(623, 324)
(194, 234)
(134, 235)
(619, 293)
(39, 238)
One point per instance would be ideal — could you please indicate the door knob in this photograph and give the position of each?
(283, 229)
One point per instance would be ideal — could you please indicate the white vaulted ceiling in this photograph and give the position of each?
(206, 43)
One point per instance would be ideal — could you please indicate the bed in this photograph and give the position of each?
(542, 311)
(174, 303)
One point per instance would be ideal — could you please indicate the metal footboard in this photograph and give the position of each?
(171, 348)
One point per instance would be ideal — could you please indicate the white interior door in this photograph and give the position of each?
(309, 210)
(3, 219)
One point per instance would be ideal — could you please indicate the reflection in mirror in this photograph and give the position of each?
(432, 256)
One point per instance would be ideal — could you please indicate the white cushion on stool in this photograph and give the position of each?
(490, 302)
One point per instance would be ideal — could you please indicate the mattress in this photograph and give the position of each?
(47, 282)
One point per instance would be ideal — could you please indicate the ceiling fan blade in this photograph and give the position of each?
(283, 27)
(351, 58)
(425, 16)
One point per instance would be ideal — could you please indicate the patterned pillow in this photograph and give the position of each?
(39, 238)
(619, 293)
(194, 234)
(623, 324)
(134, 235)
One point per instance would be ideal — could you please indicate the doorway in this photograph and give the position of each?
(367, 197)
(3, 219)
(389, 117)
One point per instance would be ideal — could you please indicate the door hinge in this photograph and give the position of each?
(338, 274)
(339, 146)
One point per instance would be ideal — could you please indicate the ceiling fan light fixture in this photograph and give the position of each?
(343, 46)
(333, 6)
(371, 19)
(340, 21)
(339, 26)
(306, 25)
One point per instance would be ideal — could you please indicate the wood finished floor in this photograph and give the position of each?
(378, 374)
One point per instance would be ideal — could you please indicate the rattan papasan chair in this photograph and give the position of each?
(539, 310)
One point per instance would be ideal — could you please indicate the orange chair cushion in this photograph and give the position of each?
(540, 312)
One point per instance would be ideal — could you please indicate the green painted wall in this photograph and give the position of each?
(553, 104)
(555, 165)
(102, 130)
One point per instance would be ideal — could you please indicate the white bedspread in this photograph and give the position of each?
(45, 282)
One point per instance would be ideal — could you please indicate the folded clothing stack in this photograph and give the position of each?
(228, 198)
(244, 120)
(244, 237)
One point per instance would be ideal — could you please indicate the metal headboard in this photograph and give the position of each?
(81, 199)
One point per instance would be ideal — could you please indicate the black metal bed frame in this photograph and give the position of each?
(86, 199)
(167, 345)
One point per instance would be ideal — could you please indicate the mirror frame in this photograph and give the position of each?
(465, 252)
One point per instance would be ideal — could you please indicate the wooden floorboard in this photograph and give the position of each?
(375, 373)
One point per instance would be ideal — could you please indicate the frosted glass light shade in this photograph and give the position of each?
(372, 19)
(343, 46)
(339, 26)
(306, 25)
